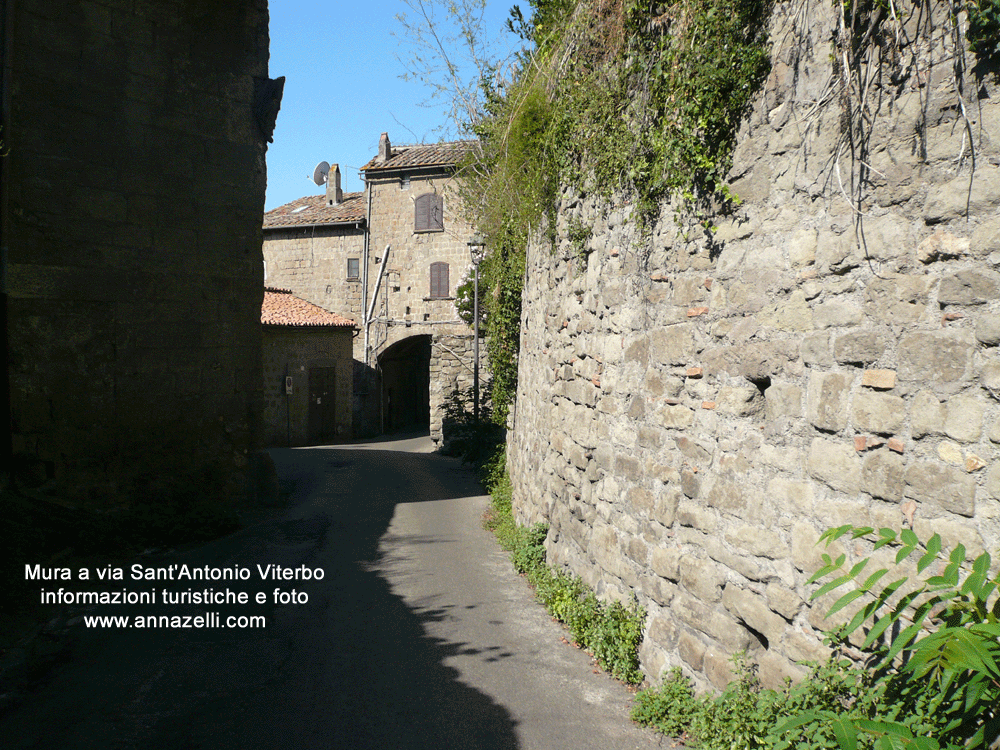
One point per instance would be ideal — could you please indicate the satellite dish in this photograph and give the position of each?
(320, 173)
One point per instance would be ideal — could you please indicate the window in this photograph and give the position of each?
(404, 183)
(439, 280)
(428, 213)
(353, 269)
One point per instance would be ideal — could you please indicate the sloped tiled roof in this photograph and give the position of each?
(282, 308)
(313, 210)
(444, 154)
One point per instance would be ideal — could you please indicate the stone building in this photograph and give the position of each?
(308, 372)
(132, 192)
(393, 257)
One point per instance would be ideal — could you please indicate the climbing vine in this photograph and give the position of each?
(623, 97)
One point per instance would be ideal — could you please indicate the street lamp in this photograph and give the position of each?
(477, 251)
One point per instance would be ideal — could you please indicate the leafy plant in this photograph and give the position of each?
(932, 644)
(611, 632)
(984, 28)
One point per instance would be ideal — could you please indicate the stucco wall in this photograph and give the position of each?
(694, 409)
(133, 196)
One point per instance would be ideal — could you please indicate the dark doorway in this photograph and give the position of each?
(405, 370)
(322, 404)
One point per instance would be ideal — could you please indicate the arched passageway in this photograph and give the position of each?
(405, 369)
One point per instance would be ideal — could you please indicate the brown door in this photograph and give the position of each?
(322, 404)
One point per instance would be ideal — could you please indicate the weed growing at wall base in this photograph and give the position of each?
(930, 678)
(611, 632)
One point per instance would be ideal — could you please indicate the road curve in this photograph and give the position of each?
(420, 635)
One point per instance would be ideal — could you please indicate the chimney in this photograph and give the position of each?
(384, 149)
(334, 195)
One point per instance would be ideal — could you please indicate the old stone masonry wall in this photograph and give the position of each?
(694, 408)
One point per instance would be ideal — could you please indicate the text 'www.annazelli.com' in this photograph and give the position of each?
(154, 622)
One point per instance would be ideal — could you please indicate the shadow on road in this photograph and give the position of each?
(351, 668)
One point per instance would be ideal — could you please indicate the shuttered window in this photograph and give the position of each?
(428, 213)
(439, 280)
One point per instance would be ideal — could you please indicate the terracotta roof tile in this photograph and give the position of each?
(446, 154)
(313, 210)
(282, 308)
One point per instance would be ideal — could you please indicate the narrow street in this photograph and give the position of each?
(420, 635)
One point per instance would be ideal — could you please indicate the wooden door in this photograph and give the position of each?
(322, 404)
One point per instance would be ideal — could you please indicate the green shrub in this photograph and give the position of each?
(611, 632)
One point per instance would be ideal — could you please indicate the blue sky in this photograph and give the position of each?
(343, 89)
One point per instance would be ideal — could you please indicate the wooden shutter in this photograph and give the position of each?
(439, 280)
(428, 213)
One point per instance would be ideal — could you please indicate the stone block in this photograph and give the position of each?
(879, 379)
(815, 349)
(740, 401)
(970, 287)
(702, 578)
(675, 416)
(804, 647)
(954, 199)
(992, 484)
(728, 495)
(927, 415)
(898, 300)
(757, 541)
(753, 610)
(950, 453)
(775, 671)
(665, 562)
(696, 516)
(783, 600)
(690, 484)
(792, 314)
(836, 464)
(858, 348)
(940, 358)
(881, 413)
(783, 400)
(941, 486)
(827, 400)
(941, 245)
(691, 651)
(964, 420)
(882, 475)
(791, 496)
(672, 345)
(801, 247)
(988, 329)
(712, 621)
(665, 503)
(836, 314)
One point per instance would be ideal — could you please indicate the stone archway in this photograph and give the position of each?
(405, 387)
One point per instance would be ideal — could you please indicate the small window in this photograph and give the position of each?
(428, 213)
(439, 280)
(404, 183)
(353, 268)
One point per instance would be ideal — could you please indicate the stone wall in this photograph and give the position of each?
(133, 195)
(312, 262)
(694, 408)
(295, 352)
(452, 379)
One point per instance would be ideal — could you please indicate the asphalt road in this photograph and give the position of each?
(419, 635)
